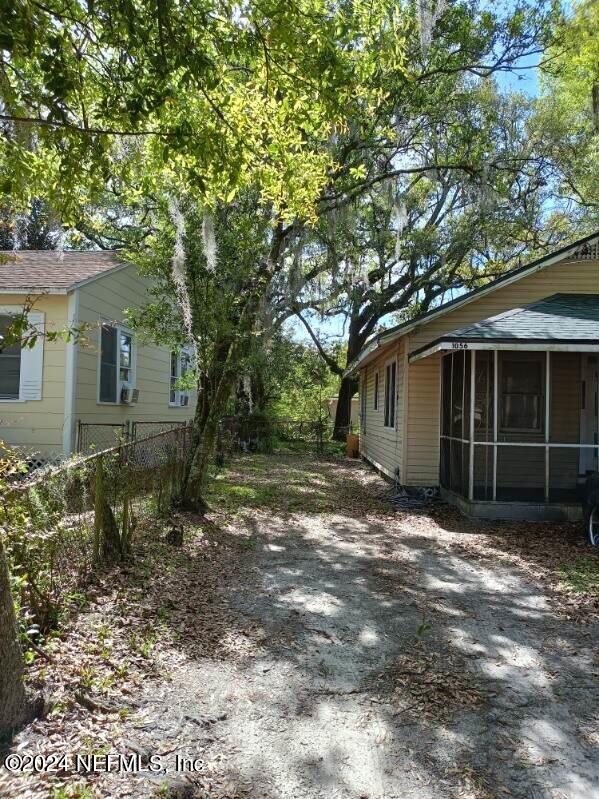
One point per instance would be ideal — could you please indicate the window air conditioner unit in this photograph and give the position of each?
(129, 396)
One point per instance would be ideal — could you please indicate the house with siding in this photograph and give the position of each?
(493, 397)
(106, 377)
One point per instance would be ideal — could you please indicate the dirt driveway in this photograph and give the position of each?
(317, 643)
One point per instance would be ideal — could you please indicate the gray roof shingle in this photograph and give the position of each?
(559, 317)
(49, 270)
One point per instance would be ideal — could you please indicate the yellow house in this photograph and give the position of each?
(109, 378)
(493, 397)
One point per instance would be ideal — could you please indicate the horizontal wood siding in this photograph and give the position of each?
(37, 424)
(422, 434)
(382, 445)
(106, 299)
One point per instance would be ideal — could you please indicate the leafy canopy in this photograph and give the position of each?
(211, 96)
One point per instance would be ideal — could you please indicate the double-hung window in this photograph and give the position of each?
(376, 391)
(117, 362)
(390, 378)
(21, 366)
(180, 362)
(522, 397)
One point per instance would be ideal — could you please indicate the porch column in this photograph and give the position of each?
(471, 435)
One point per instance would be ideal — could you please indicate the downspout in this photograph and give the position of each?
(70, 377)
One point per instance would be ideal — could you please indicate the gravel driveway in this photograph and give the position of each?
(375, 654)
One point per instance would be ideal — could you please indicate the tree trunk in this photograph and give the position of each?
(214, 395)
(347, 389)
(16, 708)
(349, 385)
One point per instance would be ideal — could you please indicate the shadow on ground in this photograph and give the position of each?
(368, 653)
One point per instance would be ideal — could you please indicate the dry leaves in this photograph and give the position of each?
(431, 685)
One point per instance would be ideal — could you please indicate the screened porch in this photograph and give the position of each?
(518, 426)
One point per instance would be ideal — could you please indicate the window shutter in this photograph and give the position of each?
(32, 361)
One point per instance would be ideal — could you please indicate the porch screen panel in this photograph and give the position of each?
(564, 425)
(457, 467)
(563, 474)
(466, 358)
(565, 398)
(520, 474)
(457, 397)
(484, 388)
(444, 465)
(446, 363)
(483, 472)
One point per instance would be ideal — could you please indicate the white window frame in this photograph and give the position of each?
(532, 357)
(388, 366)
(179, 395)
(132, 383)
(32, 358)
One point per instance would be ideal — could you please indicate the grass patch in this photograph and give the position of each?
(582, 576)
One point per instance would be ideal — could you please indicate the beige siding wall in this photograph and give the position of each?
(106, 299)
(37, 425)
(422, 436)
(383, 446)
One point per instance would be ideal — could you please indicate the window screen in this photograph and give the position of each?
(108, 362)
(390, 372)
(522, 394)
(10, 364)
(174, 376)
(125, 360)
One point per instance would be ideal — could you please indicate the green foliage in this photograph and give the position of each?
(582, 576)
(47, 554)
(568, 115)
(211, 95)
(302, 382)
(35, 230)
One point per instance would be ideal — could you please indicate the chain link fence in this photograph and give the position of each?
(263, 434)
(60, 523)
(97, 436)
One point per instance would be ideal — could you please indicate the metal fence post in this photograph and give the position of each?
(98, 508)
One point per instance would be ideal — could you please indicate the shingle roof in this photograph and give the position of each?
(49, 270)
(586, 248)
(560, 317)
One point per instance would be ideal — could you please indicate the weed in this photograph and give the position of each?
(582, 576)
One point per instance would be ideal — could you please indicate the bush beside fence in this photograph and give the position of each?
(62, 523)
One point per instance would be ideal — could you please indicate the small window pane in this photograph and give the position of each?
(10, 364)
(174, 377)
(10, 376)
(522, 411)
(125, 350)
(390, 372)
(522, 402)
(10, 349)
(108, 358)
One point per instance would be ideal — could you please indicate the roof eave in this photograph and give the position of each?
(25, 290)
(446, 343)
(118, 268)
(506, 280)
